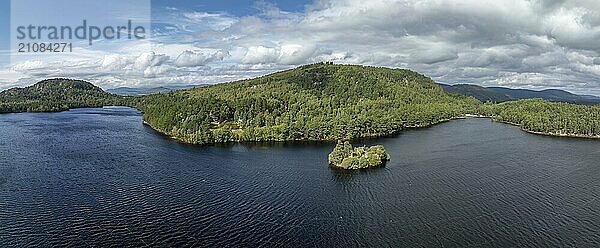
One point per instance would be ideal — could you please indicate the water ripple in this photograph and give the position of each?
(100, 178)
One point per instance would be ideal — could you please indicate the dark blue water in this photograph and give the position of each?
(98, 177)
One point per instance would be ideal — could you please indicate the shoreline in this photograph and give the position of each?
(559, 135)
(145, 123)
(466, 116)
(394, 133)
(579, 136)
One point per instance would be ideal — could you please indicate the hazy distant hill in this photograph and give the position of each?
(131, 91)
(481, 93)
(502, 94)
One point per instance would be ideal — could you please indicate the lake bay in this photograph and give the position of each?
(99, 177)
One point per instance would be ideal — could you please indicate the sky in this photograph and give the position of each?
(4, 30)
(529, 44)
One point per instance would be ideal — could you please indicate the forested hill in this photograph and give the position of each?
(550, 118)
(313, 102)
(54, 95)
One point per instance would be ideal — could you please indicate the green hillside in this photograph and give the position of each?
(540, 116)
(54, 95)
(313, 102)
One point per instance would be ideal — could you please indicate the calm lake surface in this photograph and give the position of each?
(98, 177)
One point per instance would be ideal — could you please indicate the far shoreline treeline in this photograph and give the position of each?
(317, 102)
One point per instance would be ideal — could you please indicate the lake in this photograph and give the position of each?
(99, 177)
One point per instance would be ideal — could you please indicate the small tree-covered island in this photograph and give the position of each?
(345, 156)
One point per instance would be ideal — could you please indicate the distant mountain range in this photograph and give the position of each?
(130, 91)
(502, 94)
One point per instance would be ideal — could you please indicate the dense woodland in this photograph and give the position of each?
(55, 95)
(345, 156)
(540, 116)
(313, 102)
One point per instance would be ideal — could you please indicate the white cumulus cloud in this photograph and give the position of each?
(190, 58)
